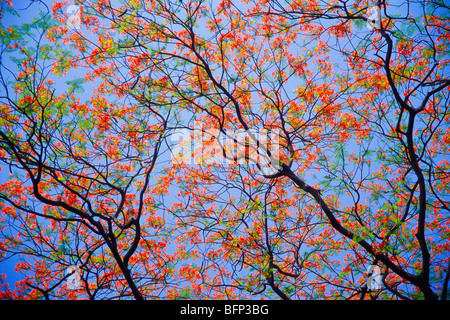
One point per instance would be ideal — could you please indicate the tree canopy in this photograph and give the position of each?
(203, 149)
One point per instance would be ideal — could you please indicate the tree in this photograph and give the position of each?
(320, 143)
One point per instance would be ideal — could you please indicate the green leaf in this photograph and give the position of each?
(76, 85)
(85, 124)
(360, 24)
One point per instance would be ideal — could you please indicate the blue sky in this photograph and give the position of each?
(26, 14)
